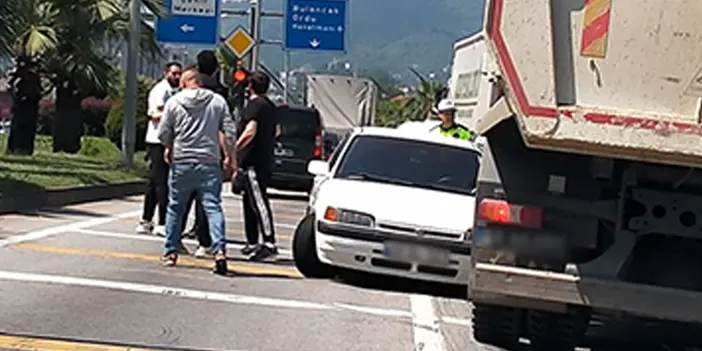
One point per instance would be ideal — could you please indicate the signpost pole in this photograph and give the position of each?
(130, 101)
(286, 69)
(256, 33)
(252, 31)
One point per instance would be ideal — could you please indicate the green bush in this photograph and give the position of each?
(113, 124)
(100, 148)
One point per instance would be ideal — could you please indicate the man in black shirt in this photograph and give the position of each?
(255, 148)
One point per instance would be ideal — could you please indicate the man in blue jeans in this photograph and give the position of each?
(190, 129)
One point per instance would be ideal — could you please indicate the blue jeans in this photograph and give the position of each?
(183, 179)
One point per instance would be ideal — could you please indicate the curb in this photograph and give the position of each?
(63, 197)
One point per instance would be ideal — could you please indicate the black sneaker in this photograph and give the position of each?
(265, 252)
(249, 249)
(170, 260)
(220, 266)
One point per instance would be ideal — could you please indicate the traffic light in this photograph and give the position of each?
(240, 75)
(239, 91)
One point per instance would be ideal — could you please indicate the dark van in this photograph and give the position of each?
(300, 141)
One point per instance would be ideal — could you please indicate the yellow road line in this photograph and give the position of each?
(182, 261)
(35, 344)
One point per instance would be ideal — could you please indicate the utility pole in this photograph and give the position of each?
(255, 29)
(130, 98)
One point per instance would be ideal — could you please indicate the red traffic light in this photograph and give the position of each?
(240, 75)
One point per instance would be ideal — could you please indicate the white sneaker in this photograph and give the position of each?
(160, 230)
(144, 228)
(201, 252)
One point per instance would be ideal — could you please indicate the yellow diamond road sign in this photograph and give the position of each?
(240, 42)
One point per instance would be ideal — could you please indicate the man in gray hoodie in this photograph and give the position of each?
(190, 128)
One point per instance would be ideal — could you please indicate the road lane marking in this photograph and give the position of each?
(425, 324)
(196, 294)
(374, 311)
(37, 344)
(160, 290)
(283, 252)
(59, 229)
(182, 260)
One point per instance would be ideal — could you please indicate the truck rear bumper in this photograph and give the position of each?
(491, 282)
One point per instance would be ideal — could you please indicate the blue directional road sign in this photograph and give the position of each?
(318, 25)
(190, 23)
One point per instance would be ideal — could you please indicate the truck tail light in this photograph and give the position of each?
(318, 141)
(503, 212)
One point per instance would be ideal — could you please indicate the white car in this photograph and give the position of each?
(392, 202)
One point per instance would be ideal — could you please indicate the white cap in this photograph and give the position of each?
(446, 105)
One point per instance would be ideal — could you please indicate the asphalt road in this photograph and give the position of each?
(81, 279)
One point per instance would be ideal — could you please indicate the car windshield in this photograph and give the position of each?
(411, 163)
(298, 123)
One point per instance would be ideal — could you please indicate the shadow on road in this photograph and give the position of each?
(62, 212)
(387, 283)
(284, 262)
(238, 273)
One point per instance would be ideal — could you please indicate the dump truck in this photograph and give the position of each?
(589, 212)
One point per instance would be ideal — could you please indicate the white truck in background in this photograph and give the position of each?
(589, 196)
(343, 102)
(467, 86)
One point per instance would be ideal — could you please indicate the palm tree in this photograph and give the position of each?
(26, 36)
(61, 40)
(7, 11)
(79, 68)
(418, 107)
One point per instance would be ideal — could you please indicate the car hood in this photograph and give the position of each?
(399, 204)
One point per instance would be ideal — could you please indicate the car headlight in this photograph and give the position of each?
(333, 214)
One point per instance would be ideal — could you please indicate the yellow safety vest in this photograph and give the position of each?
(457, 131)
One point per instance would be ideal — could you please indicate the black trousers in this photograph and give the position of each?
(201, 226)
(258, 217)
(157, 186)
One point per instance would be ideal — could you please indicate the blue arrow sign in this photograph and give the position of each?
(318, 25)
(190, 23)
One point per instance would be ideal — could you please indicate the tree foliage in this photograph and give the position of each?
(65, 40)
(415, 106)
(113, 124)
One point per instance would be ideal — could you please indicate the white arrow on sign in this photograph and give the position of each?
(314, 43)
(187, 28)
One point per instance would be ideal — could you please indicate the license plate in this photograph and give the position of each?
(283, 152)
(416, 253)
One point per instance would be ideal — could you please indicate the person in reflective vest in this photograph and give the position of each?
(448, 127)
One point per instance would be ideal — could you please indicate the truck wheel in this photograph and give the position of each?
(497, 326)
(550, 331)
(304, 251)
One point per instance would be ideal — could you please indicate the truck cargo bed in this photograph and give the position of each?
(602, 77)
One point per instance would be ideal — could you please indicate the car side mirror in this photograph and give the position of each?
(318, 167)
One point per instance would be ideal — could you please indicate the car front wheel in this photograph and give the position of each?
(304, 250)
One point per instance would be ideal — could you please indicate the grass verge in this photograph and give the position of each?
(96, 163)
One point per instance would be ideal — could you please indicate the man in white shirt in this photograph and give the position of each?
(157, 188)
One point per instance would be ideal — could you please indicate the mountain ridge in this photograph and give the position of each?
(384, 35)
